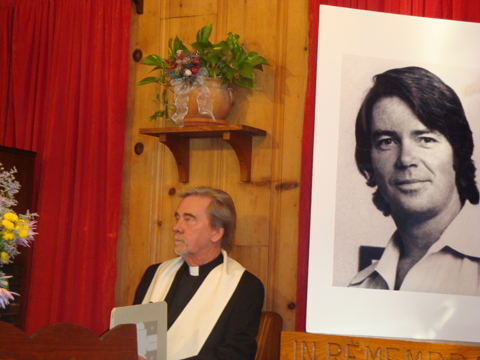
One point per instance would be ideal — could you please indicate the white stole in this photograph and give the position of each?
(189, 332)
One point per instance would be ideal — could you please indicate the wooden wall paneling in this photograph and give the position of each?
(203, 160)
(164, 171)
(222, 12)
(186, 27)
(275, 268)
(225, 172)
(164, 241)
(269, 29)
(169, 188)
(253, 207)
(138, 192)
(121, 290)
(202, 151)
(169, 177)
(155, 249)
(202, 163)
(266, 206)
(255, 23)
(252, 256)
(252, 242)
(293, 92)
(186, 9)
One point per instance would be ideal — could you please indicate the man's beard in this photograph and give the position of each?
(182, 252)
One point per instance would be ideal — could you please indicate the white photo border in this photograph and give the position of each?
(354, 45)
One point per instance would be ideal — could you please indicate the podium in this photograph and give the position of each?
(67, 341)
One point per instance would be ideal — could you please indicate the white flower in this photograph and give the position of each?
(188, 73)
(5, 297)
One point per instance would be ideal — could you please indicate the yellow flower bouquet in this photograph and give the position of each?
(14, 229)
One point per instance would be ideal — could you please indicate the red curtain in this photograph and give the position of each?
(464, 10)
(63, 94)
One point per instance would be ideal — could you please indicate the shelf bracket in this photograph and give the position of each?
(178, 141)
(180, 148)
(139, 6)
(242, 145)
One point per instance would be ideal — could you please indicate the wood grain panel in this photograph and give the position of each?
(254, 259)
(186, 8)
(257, 30)
(136, 217)
(266, 237)
(293, 94)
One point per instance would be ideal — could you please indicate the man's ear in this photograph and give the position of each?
(217, 234)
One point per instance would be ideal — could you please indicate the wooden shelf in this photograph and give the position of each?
(178, 141)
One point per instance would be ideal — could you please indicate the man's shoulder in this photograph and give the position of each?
(249, 292)
(149, 273)
(250, 281)
(249, 277)
(153, 267)
(462, 233)
(145, 283)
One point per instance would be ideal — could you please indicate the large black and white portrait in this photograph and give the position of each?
(395, 227)
(413, 149)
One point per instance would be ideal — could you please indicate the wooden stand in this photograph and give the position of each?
(67, 341)
(178, 141)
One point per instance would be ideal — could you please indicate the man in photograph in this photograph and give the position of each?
(414, 144)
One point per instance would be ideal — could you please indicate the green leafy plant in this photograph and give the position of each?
(226, 60)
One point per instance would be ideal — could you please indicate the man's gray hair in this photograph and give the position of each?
(221, 212)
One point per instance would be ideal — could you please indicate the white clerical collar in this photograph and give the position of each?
(194, 270)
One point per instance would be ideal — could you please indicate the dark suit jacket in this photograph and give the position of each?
(233, 336)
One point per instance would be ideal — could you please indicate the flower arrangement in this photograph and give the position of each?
(185, 66)
(14, 229)
(185, 69)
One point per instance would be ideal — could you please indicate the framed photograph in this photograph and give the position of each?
(348, 232)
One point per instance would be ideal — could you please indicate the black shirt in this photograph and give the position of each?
(233, 336)
(184, 286)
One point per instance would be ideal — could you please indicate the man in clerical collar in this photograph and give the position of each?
(214, 304)
(414, 144)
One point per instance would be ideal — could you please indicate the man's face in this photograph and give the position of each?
(195, 240)
(413, 165)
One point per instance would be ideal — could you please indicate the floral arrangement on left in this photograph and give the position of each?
(14, 229)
